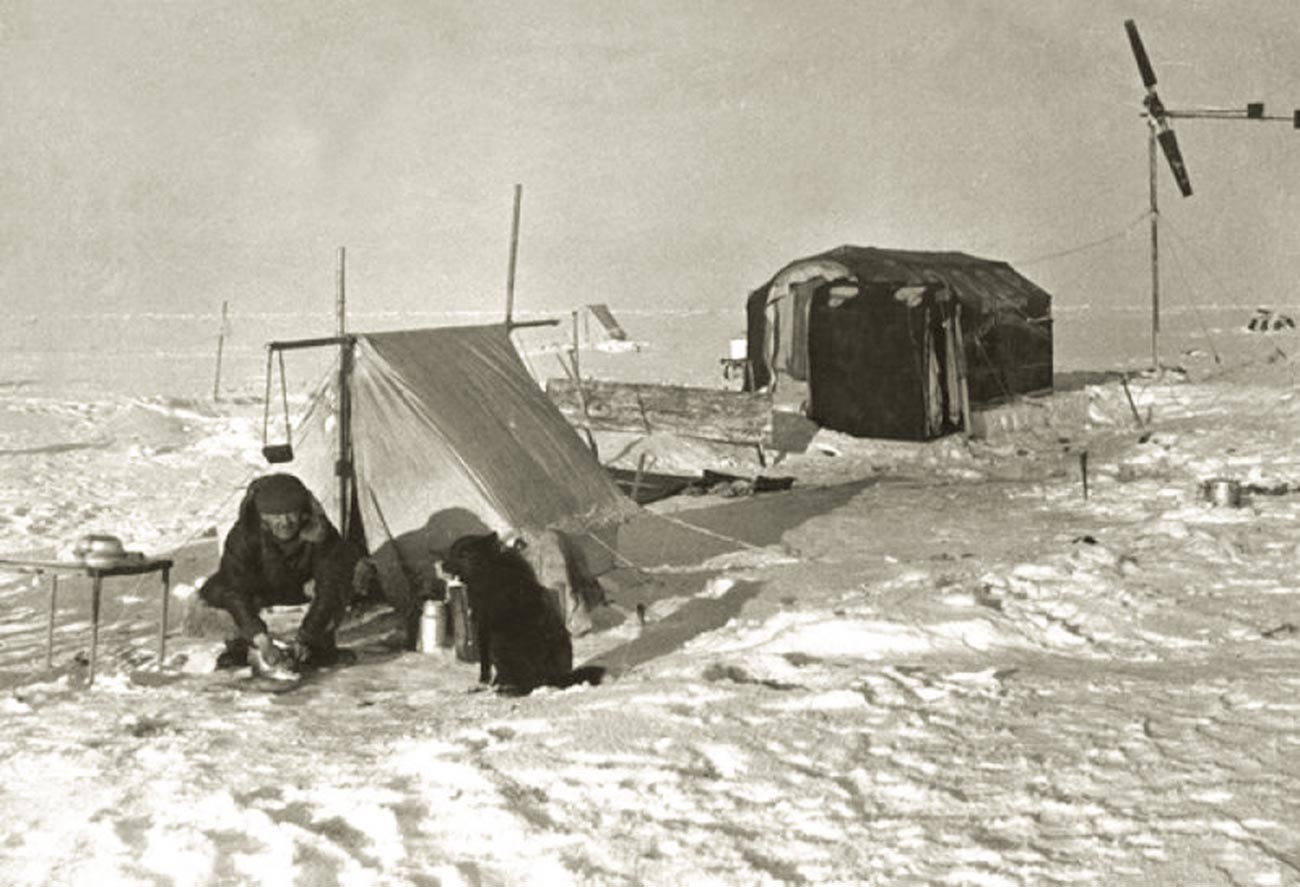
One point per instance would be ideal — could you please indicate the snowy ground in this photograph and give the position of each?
(926, 664)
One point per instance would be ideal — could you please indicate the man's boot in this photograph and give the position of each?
(234, 656)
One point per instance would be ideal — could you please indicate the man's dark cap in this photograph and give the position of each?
(280, 494)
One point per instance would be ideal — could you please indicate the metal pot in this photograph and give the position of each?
(98, 545)
(1221, 491)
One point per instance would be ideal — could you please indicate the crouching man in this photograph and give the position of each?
(281, 541)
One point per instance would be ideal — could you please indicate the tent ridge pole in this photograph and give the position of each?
(343, 467)
(514, 253)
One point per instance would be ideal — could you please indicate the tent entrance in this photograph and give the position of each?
(883, 360)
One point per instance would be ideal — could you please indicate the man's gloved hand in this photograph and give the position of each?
(270, 661)
(299, 653)
(267, 660)
(265, 650)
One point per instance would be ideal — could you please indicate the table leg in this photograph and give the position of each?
(49, 632)
(94, 625)
(162, 629)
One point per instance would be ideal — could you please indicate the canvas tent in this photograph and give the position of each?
(448, 435)
(897, 343)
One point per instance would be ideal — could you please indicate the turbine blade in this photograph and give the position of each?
(1169, 144)
(1140, 53)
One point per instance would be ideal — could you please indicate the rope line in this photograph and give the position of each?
(1092, 244)
(618, 555)
(628, 562)
(1188, 285)
(702, 531)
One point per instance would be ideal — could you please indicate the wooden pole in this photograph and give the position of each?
(49, 633)
(582, 397)
(266, 401)
(343, 467)
(577, 374)
(97, 588)
(221, 343)
(284, 401)
(1155, 249)
(1123, 378)
(963, 386)
(341, 295)
(514, 252)
(1083, 472)
(162, 627)
(639, 477)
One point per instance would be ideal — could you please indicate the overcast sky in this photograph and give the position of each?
(172, 155)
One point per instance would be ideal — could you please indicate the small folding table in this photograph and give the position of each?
(97, 574)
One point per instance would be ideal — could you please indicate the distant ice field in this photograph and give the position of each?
(163, 354)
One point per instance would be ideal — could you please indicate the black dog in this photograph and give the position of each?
(519, 632)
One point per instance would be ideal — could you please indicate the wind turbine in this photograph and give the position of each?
(1160, 132)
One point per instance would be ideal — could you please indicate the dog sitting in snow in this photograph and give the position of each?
(519, 633)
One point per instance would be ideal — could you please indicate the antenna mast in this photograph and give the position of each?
(1155, 246)
(1159, 131)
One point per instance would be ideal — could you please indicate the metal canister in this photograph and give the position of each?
(464, 631)
(1222, 491)
(433, 627)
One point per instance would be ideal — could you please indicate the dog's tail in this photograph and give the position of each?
(587, 674)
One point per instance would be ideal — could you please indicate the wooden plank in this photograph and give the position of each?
(707, 413)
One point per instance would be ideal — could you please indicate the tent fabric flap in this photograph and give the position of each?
(449, 429)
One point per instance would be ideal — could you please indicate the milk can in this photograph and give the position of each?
(1222, 491)
(433, 627)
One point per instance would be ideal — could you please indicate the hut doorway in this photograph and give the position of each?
(883, 360)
